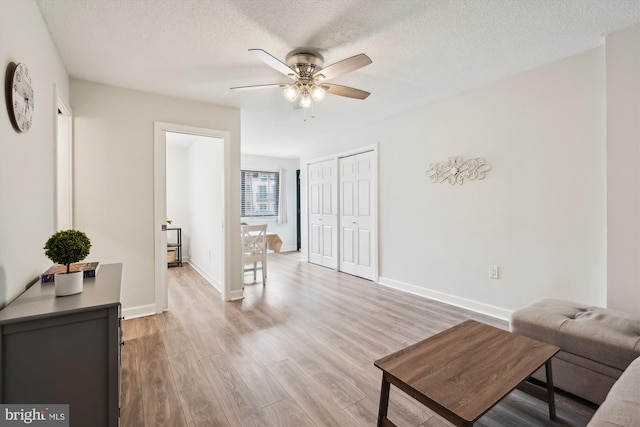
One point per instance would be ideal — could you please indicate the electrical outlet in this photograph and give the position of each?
(493, 272)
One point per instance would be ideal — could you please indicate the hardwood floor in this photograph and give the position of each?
(296, 352)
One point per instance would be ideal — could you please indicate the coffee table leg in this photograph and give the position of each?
(551, 396)
(384, 400)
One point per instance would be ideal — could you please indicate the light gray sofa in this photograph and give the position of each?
(597, 344)
(622, 405)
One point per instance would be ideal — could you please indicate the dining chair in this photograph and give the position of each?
(254, 250)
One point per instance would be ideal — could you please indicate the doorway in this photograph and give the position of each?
(209, 256)
(195, 188)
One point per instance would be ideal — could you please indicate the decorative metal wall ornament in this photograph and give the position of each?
(456, 170)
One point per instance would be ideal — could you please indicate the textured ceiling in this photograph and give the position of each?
(422, 51)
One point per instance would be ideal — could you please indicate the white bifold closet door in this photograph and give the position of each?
(357, 220)
(323, 215)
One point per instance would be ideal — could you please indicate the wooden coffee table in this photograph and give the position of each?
(464, 371)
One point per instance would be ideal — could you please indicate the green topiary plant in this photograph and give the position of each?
(67, 246)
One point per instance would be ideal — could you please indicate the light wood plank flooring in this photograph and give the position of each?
(296, 352)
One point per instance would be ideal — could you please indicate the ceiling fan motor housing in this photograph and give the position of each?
(305, 62)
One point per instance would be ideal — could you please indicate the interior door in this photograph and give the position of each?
(357, 221)
(323, 214)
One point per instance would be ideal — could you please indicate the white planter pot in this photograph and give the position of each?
(68, 283)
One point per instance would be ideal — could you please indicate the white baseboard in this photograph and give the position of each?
(236, 295)
(478, 307)
(212, 281)
(139, 311)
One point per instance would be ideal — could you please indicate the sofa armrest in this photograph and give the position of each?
(622, 405)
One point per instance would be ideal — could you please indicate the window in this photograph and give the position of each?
(259, 193)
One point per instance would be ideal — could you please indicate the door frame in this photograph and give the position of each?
(298, 213)
(336, 157)
(64, 117)
(160, 207)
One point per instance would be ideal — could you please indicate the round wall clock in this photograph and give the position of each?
(20, 94)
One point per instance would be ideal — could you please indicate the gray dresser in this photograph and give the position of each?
(65, 350)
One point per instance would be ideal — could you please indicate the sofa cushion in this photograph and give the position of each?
(603, 335)
(622, 405)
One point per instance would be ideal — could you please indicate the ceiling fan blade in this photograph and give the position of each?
(342, 67)
(274, 63)
(347, 91)
(269, 86)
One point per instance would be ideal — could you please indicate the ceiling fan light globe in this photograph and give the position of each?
(305, 101)
(291, 93)
(318, 93)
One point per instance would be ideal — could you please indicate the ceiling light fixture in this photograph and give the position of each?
(305, 99)
(318, 93)
(291, 92)
(306, 92)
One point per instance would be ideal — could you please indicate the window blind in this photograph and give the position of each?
(259, 193)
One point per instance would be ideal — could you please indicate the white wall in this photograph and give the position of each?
(178, 193)
(623, 169)
(205, 191)
(27, 160)
(287, 232)
(113, 131)
(540, 214)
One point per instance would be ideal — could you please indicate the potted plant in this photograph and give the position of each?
(64, 248)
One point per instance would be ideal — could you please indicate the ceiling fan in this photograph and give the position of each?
(304, 67)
